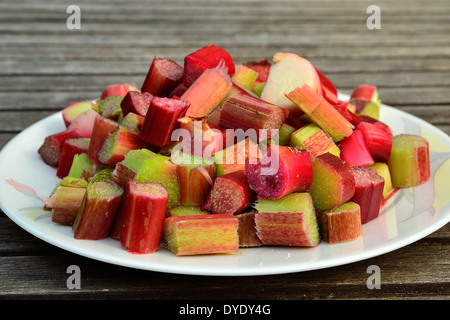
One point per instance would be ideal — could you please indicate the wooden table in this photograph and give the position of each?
(45, 66)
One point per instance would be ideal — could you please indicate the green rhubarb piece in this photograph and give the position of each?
(372, 110)
(341, 224)
(409, 161)
(110, 107)
(290, 220)
(147, 166)
(258, 89)
(284, 135)
(382, 170)
(81, 166)
(312, 138)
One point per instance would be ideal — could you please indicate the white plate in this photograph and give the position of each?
(412, 214)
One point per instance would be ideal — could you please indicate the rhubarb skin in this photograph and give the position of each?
(203, 234)
(341, 224)
(205, 58)
(314, 140)
(103, 127)
(329, 89)
(97, 212)
(136, 102)
(354, 150)
(241, 111)
(320, 111)
(409, 161)
(288, 221)
(378, 141)
(161, 120)
(280, 171)
(333, 182)
(70, 148)
(186, 211)
(207, 91)
(248, 237)
(368, 192)
(162, 77)
(145, 207)
(230, 194)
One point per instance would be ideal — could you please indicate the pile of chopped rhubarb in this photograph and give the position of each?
(213, 156)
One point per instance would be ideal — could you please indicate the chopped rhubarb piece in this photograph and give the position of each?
(132, 122)
(110, 107)
(365, 92)
(178, 91)
(333, 182)
(162, 119)
(65, 201)
(81, 167)
(163, 77)
(280, 171)
(117, 144)
(186, 211)
(248, 237)
(341, 224)
(103, 127)
(202, 234)
(409, 161)
(321, 112)
(262, 67)
(144, 165)
(136, 102)
(245, 76)
(195, 178)
(344, 110)
(354, 150)
(50, 150)
(288, 221)
(117, 90)
(205, 58)
(74, 109)
(382, 170)
(98, 210)
(230, 194)
(368, 192)
(234, 157)
(145, 207)
(314, 140)
(379, 123)
(241, 111)
(70, 148)
(377, 139)
(284, 134)
(288, 72)
(84, 123)
(207, 91)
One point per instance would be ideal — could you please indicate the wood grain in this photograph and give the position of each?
(44, 66)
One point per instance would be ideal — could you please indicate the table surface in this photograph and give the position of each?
(45, 66)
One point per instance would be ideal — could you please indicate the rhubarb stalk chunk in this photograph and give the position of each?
(341, 224)
(161, 120)
(230, 194)
(333, 182)
(96, 215)
(288, 221)
(280, 171)
(247, 230)
(354, 150)
(144, 211)
(409, 161)
(368, 192)
(162, 77)
(202, 234)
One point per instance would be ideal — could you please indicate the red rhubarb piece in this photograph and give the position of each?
(70, 148)
(50, 150)
(280, 171)
(354, 150)
(144, 208)
(119, 89)
(230, 194)
(205, 58)
(136, 102)
(162, 119)
(103, 127)
(368, 192)
(163, 76)
(378, 141)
